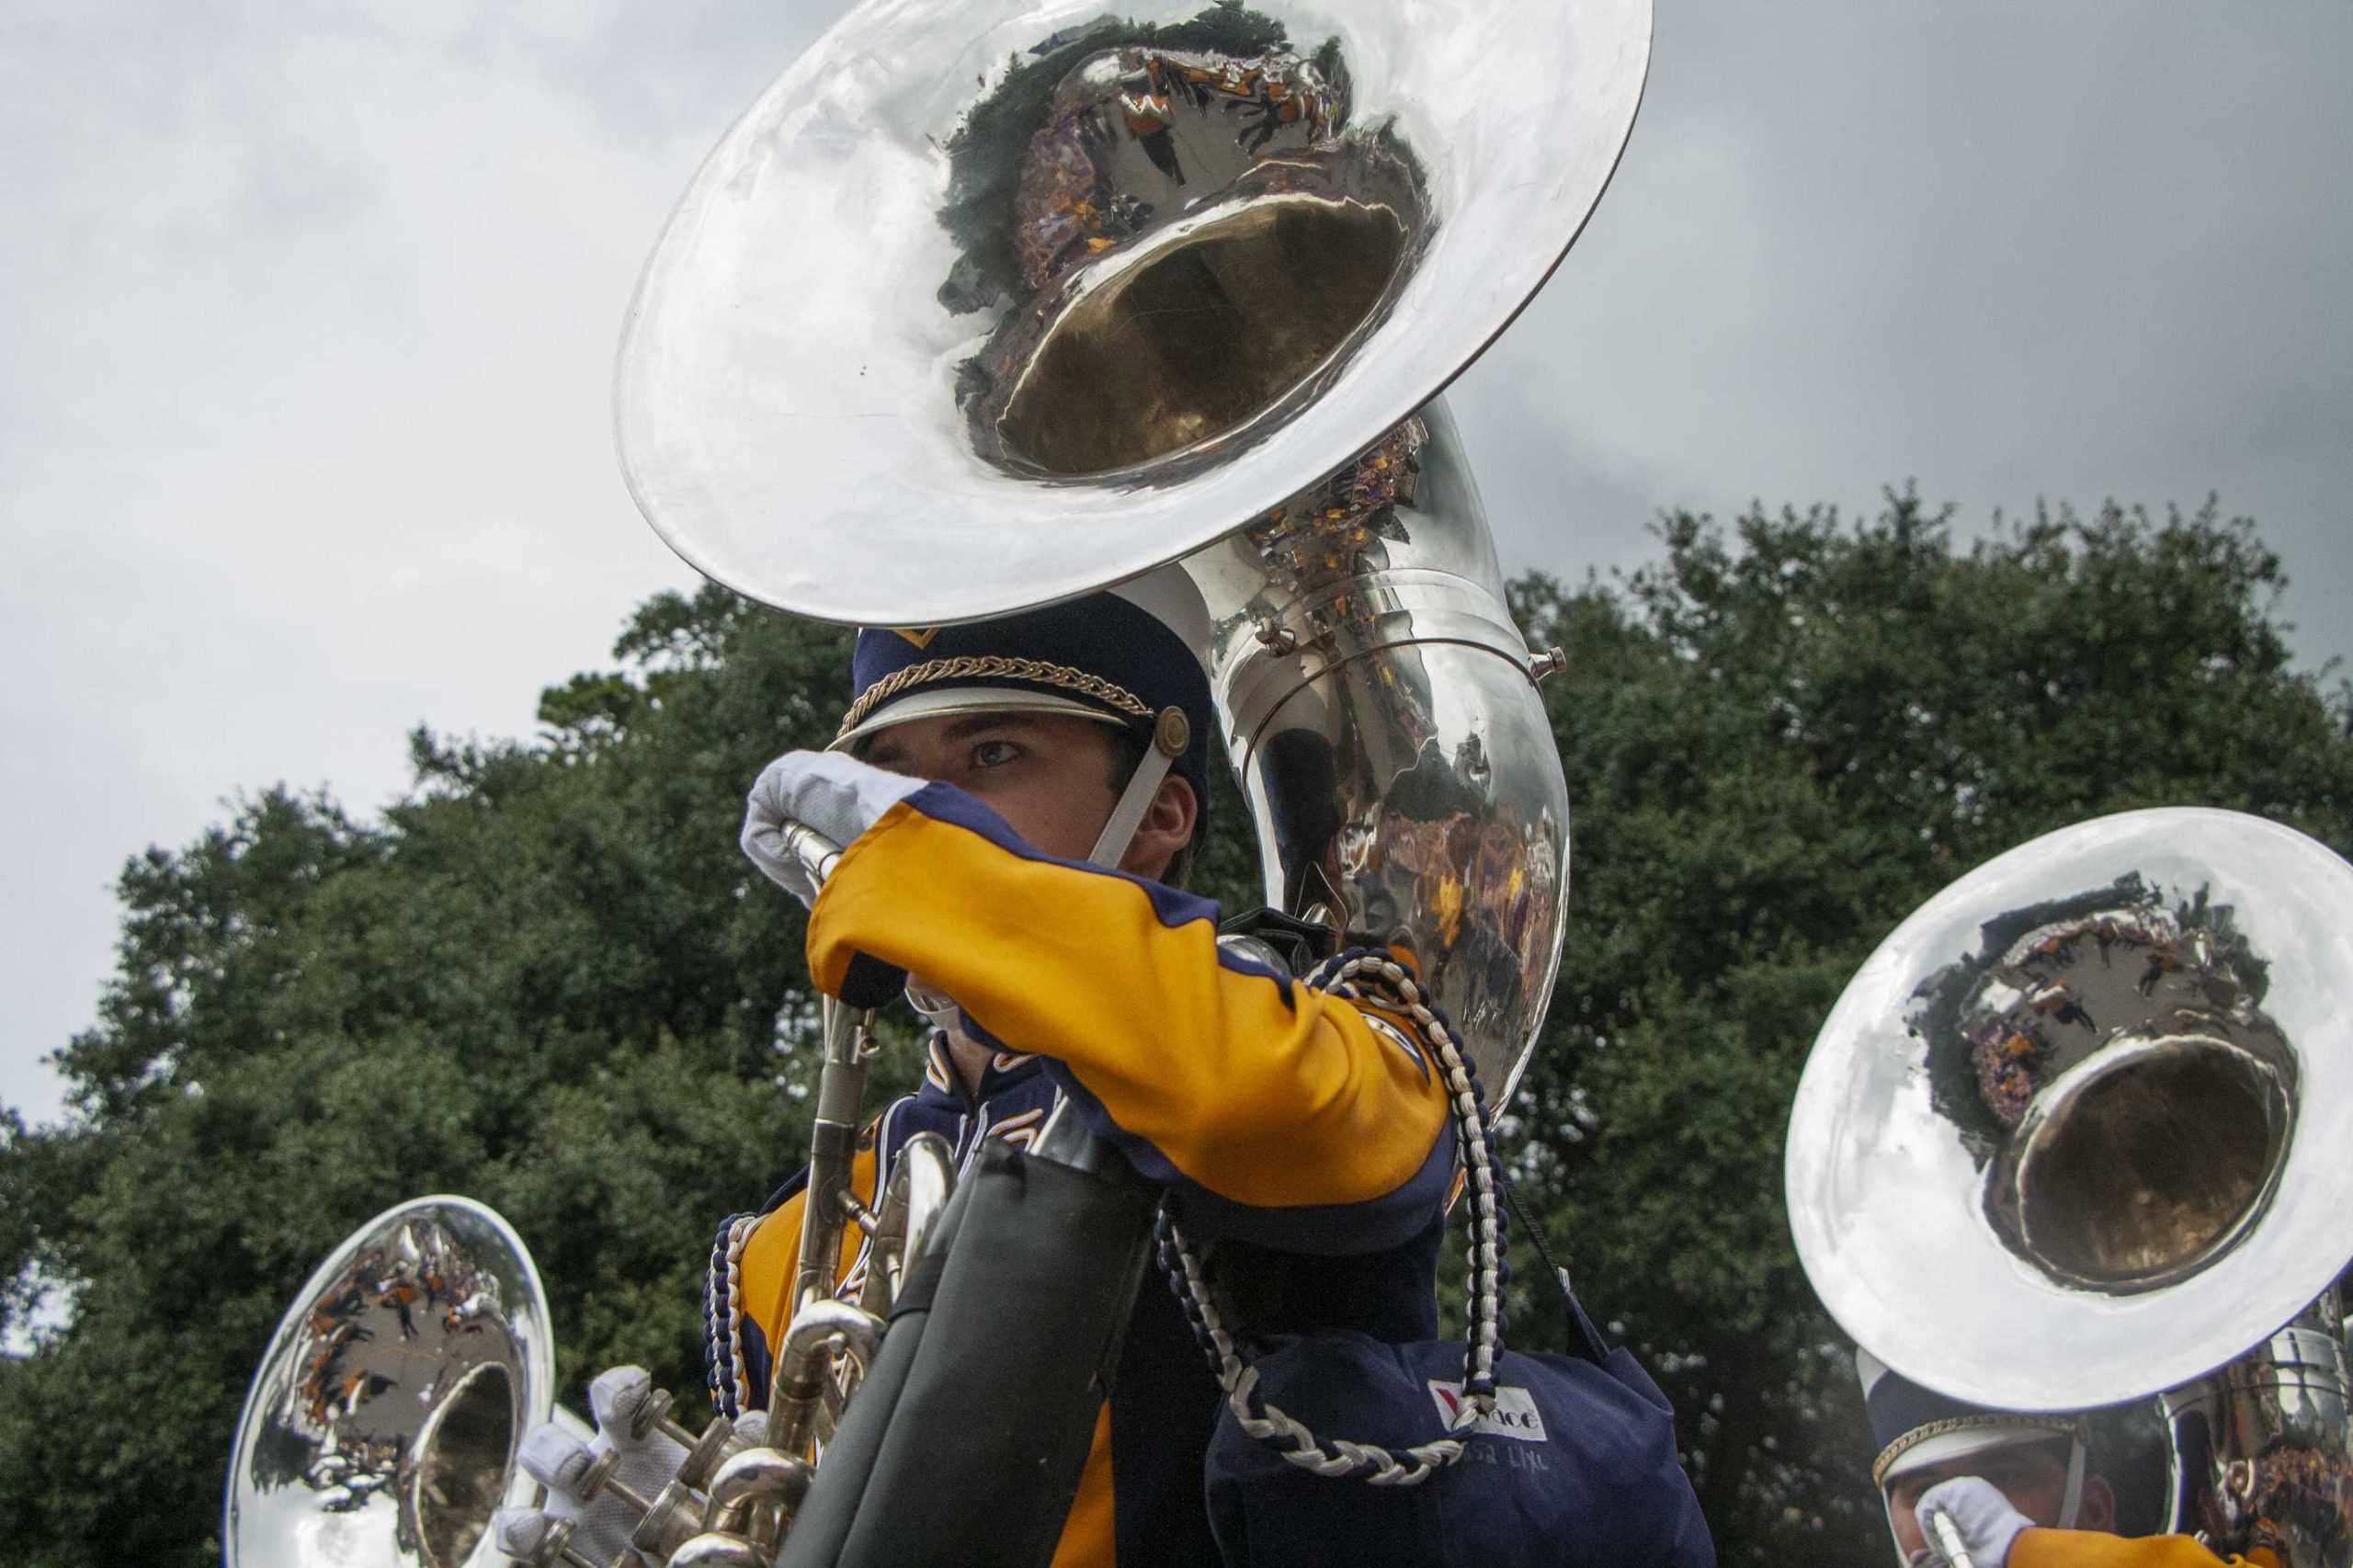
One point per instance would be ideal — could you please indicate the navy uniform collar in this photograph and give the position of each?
(943, 1088)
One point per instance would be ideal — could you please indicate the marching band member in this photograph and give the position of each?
(976, 767)
(2017, 1488)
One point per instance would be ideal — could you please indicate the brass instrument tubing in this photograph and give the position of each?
(800, 1379)
(717, 1550)
(832, 1145)
(754, 1477)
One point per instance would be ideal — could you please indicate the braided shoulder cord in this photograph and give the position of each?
(1350, 975)
(712, 1375)
(726, 1314)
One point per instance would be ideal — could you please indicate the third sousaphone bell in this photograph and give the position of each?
(2076, 1134)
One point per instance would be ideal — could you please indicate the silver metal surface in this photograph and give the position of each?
(1394, 751)
(1246, 269)
(817, 854)
(383, 1419)
(720, 1549)
(2076, 1133)
(844, 1052)
(912, 1200)
(751, 1478)
(2262, 1447)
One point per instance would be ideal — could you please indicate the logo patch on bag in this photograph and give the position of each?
(1514, 1415)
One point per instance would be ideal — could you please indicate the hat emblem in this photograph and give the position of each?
(920, 636)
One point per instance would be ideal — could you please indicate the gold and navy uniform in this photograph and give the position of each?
(1305, 1137)
(2092, 1549)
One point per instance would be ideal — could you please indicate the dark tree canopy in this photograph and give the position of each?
(547, 979)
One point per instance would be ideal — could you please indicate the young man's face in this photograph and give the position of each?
(1048, 775)
(2033, 1476)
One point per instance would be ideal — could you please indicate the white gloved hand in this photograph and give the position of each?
(556, 1459)
(1987, 1523)
(528, 1535)
(522, 1533)
(615, 1398)
(559, 1460)
(837, 796)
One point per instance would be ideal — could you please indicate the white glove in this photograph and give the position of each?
(615, 1398)
(559, 1460)
(522, 1533)
(1987, 1523)
(556, 1459)
(837, 796)
(548, 1453)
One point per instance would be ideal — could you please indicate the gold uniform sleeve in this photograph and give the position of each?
(1231, 1078)
(2093, 1549)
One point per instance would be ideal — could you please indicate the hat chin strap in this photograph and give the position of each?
(1170, 735)
(2073, 1503)
(1903, 1558)
(1120, 830)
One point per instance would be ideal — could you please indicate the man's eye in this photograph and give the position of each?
(995, 754)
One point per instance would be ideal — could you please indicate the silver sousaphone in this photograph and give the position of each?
(984, 306)
(381, 1425)
(2078, 1134)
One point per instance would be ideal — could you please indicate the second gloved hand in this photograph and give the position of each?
(1987, 1523)
(837, 796)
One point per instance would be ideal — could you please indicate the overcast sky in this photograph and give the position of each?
(307, 313)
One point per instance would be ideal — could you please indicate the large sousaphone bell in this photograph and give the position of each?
(984, 306)
(2077, 1134)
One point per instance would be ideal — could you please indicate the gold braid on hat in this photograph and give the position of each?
(2055, 1425)
(990, 667)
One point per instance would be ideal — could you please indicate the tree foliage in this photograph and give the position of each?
(546, 978)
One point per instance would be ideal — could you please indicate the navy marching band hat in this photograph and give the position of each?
(1916, 1427)
(1124, 657)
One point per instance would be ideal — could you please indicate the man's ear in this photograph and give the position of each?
(2099, 1509)
(1166, 829)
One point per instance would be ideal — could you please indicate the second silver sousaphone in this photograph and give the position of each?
(2076, 1134)
(984, 306)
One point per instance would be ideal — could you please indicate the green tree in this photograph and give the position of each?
(547, 978)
